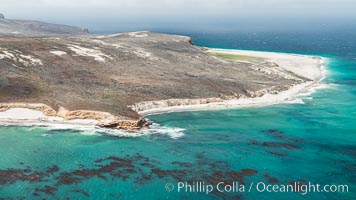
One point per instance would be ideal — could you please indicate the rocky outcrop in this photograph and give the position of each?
(2, 16)
(106, 120)
(125, 124)
(87, 114)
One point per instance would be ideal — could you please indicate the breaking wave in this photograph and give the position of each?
(172, 132)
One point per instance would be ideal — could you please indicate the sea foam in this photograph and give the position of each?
(171, 132)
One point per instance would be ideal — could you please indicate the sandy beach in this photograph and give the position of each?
(307, 66)
(311, 67)
(25, 116)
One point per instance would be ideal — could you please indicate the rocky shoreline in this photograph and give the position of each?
(100, 119)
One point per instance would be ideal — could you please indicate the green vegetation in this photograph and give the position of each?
(237, 57)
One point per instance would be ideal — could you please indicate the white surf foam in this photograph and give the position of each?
(294, 101)
(171, 132)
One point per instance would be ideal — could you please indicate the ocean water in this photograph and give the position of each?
(313, 141)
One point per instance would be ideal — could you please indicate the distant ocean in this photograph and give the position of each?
(295, 144)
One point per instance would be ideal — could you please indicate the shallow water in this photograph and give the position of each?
(279, 144)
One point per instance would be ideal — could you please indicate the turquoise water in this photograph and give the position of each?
(281, 144)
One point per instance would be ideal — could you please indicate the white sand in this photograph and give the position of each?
(27, 116)
(21, 113)
(306, 66)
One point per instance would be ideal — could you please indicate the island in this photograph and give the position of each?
(60, 74)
